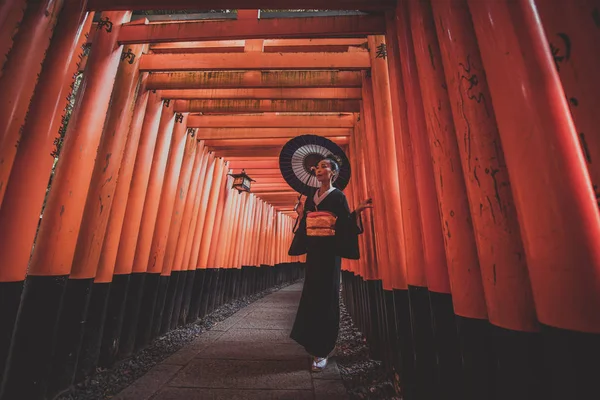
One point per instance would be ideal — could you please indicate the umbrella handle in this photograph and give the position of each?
(300, 195)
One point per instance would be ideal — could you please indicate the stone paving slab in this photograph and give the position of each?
(257, 335)
(247, 356)
(254, 351)
(173, 393)
(245, 374)
(145, 387)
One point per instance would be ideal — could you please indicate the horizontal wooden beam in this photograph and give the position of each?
(255, 61)
(253, 164)
(269, 46)
(253, 79)
(254, 106)
(277, 28)
(271, 120)
(264, 151)
(263, 142)
(263, 94)
(256, 133)
(259, 171)
(98, 5)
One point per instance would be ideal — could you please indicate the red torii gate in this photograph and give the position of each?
(455, 118)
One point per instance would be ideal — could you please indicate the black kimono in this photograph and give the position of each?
(317, 320)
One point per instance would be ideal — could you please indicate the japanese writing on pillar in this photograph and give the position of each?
(469, 77)
(381, 51)
(561, 49)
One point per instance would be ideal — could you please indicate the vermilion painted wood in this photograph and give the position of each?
(537, 130)
(272, 120)
(253, 79)
(388, 160)
(237, 4)
(501, 256)
(263, 93)
(436, 267)
(254, 106)
(140, 183)
(411, 213)
(116, 221)
(57, 235)
(106, 169)
(11, 13)
(153, 193)
(255, 61)
(253, 28)
(455, 215)
(20, 77)
(25, 192)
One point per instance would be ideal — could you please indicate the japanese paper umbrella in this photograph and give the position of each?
(302, 153)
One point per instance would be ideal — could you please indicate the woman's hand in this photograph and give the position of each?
(300, 208)
(364, 205)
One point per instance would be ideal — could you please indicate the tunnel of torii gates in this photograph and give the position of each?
(472, 124)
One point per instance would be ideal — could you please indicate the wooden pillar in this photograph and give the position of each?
(509, 299)
(166, 287)
(442, 319)
(20, 75)
(24, 196)
(384, 247)
(147, 227)
(11, 13)
(554, 199)
(199, 160)
(201, 293)
(93, 225)
(419, 370)
(28, 362)
(107, 337)
(207, 169)
(128, 238)
(572, 31)
(461, 251)
(175, 231)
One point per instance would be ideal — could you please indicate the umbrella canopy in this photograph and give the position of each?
(303, 152)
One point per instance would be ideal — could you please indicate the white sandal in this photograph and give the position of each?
(319, 364)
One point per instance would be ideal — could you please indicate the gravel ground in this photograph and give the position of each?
(106, 383)
(364, 378)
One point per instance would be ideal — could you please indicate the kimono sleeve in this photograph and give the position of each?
(299, 242)
(348, 227)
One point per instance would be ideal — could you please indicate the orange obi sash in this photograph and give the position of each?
(320, 223)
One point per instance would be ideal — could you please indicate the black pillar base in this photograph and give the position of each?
(424, 346)
(113, 323)
(94, 327)
(169, 305)
(520, 369)
(30, 355)
(449, 377)
(110, 352)
(69, 336)
(205, 293)
(146, 322)
(478, 357)
(572, 360)
(406, 364)
(196, 296)
(159, 308)
(187, 297)
(181, 284)
(10, 297)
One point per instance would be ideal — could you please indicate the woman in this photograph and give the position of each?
(327, 232)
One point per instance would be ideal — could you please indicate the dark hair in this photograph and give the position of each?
(335, 167)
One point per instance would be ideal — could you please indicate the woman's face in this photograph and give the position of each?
(323, 171)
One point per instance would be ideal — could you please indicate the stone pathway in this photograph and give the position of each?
(245, 357)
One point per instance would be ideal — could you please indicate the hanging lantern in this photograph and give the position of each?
(241, 181)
